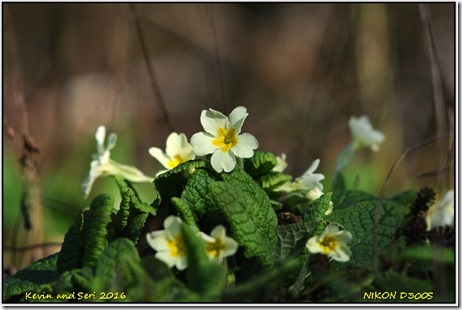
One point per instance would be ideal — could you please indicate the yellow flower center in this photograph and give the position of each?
(213, 249)
(225, 139)
(328, 244)
(175, 161)
(176, 247)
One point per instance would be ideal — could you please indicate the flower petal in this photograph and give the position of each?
(223, 161)
(95, 172)
(130, 173)
(100, 136)
(157, 240)
(314, 165)
(111, 141)
(313, 245)
(237, 118)
(174, 144)
(167, 258)
(245, 146)
(202, 144)
(213, 120)
(161, 157)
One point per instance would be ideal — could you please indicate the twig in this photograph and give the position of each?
(30, 247)
(152, 75)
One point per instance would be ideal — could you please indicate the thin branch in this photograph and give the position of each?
(30, 247)
(152, 74)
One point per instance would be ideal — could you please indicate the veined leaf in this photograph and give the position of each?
(94, 229)
(70, 256)
(30, 278)
(372, 222)
(260, 163)
(292, 239)
(206, 277)
(248, 211)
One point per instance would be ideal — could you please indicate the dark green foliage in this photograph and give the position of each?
(260, 164)
(272, 264)
(94, 228)
(31, 278)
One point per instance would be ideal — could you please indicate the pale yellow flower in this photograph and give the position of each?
(332, 242)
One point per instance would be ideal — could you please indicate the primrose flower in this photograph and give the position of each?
(332, 242)
(177, 151)
(308, 181)
(364, 135)
(102, 164)
(169, 243)
(222, 138)
(218, 246)
(441, 213)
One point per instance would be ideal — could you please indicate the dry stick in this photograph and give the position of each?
(438, 97)
(30, 247)
(218, 58)
(152, 75)
(29, 172)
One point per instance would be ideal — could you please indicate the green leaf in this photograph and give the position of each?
(95, 228)
(292, 239)
(372, 222)
(429, 254)
(171, 183)
(195, 192)
(273, 180)
(185, 212)
(206, 277)
(249, 213)
(315, 213)
(260, 163)
(133, 213)
(112, 271)
(30, 278)
(252, 289)
(70, 256)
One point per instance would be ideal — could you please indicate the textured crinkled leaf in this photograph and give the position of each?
(356, 212)
(171, 183)
(135, 226)
(273, 179)
(251, 226)
(292, 239)
(253, 289)
(204, 276)
(184, 210)
(166, 287)
(94, 229)
(70, 256)
(315, 213)
(196, 191)
(427, 253)
(405, 198)
(111, 267)
(264, 216)
(260, 163)
(30, 278)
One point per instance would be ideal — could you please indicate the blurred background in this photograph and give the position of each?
(145, 70)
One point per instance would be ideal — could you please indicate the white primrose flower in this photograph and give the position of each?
(332, 242)
(308, 181)
(169, 243)
(441, 213)
(281, 163)
(364, 135)
(102, 164)
(177, 151)
(218, 245)
(222, 138)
